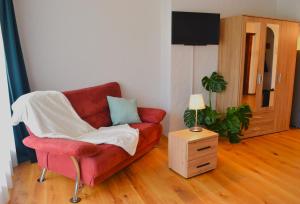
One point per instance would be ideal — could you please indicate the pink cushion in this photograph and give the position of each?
(151, 115)
(91, 103)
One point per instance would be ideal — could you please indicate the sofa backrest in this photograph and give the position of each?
(91, 103)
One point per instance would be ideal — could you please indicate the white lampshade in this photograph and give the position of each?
(196, 102)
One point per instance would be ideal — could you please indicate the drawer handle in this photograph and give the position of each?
(204, 148)
(202, 165)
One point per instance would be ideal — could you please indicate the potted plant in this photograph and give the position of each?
(229, 124)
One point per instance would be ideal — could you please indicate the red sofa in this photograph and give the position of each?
(95, 162)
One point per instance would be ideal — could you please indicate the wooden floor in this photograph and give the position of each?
(264, 169)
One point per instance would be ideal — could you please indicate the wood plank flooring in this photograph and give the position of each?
(264, 169)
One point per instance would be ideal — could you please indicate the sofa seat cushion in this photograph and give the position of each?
(110, 156)
(148, 133)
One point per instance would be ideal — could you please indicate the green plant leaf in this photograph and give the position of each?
(189, 118)
(237, 119)
(219, 127)
(210, 116)
(233, 124)
(234, 138)
(244, 114)
(214, 83)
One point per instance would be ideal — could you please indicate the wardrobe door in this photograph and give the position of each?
(252, 63)
(259, 74)
(231, 55)
(266, 79)
(285, 75)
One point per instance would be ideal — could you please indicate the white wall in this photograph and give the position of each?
(70, 44)
(166, 60)
(181, 83)
(228, 7)
(288, 9)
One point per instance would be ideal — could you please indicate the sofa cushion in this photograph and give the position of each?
(91, 103)
(149, 132)
(123, 111)
(151, 115)
(110, 156)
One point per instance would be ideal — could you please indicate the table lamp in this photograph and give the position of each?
(196, 103)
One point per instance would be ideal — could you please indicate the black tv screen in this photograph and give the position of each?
(190, 28)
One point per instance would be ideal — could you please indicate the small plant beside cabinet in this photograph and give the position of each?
(229, 124)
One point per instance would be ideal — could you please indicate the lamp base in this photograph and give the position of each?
(196, 129)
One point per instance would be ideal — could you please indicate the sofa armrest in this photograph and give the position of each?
(61, 146)
(151, 115)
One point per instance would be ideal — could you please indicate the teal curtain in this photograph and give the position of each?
(16, 72)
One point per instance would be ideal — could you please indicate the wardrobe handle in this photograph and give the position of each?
(279, 78)
(259, 78)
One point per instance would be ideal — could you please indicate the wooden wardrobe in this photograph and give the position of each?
(257, 58)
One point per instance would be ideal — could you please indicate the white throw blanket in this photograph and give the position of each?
(50, 114)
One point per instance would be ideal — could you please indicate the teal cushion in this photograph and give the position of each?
(123, 111)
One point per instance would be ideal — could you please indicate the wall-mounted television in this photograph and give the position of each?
(190, 28)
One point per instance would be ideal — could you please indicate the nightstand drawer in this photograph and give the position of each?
(201, 165)
(201, 148)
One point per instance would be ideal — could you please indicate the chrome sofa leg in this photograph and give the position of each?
(41, 179)
(75, 198)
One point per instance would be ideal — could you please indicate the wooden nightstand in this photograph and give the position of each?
(192, 153)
